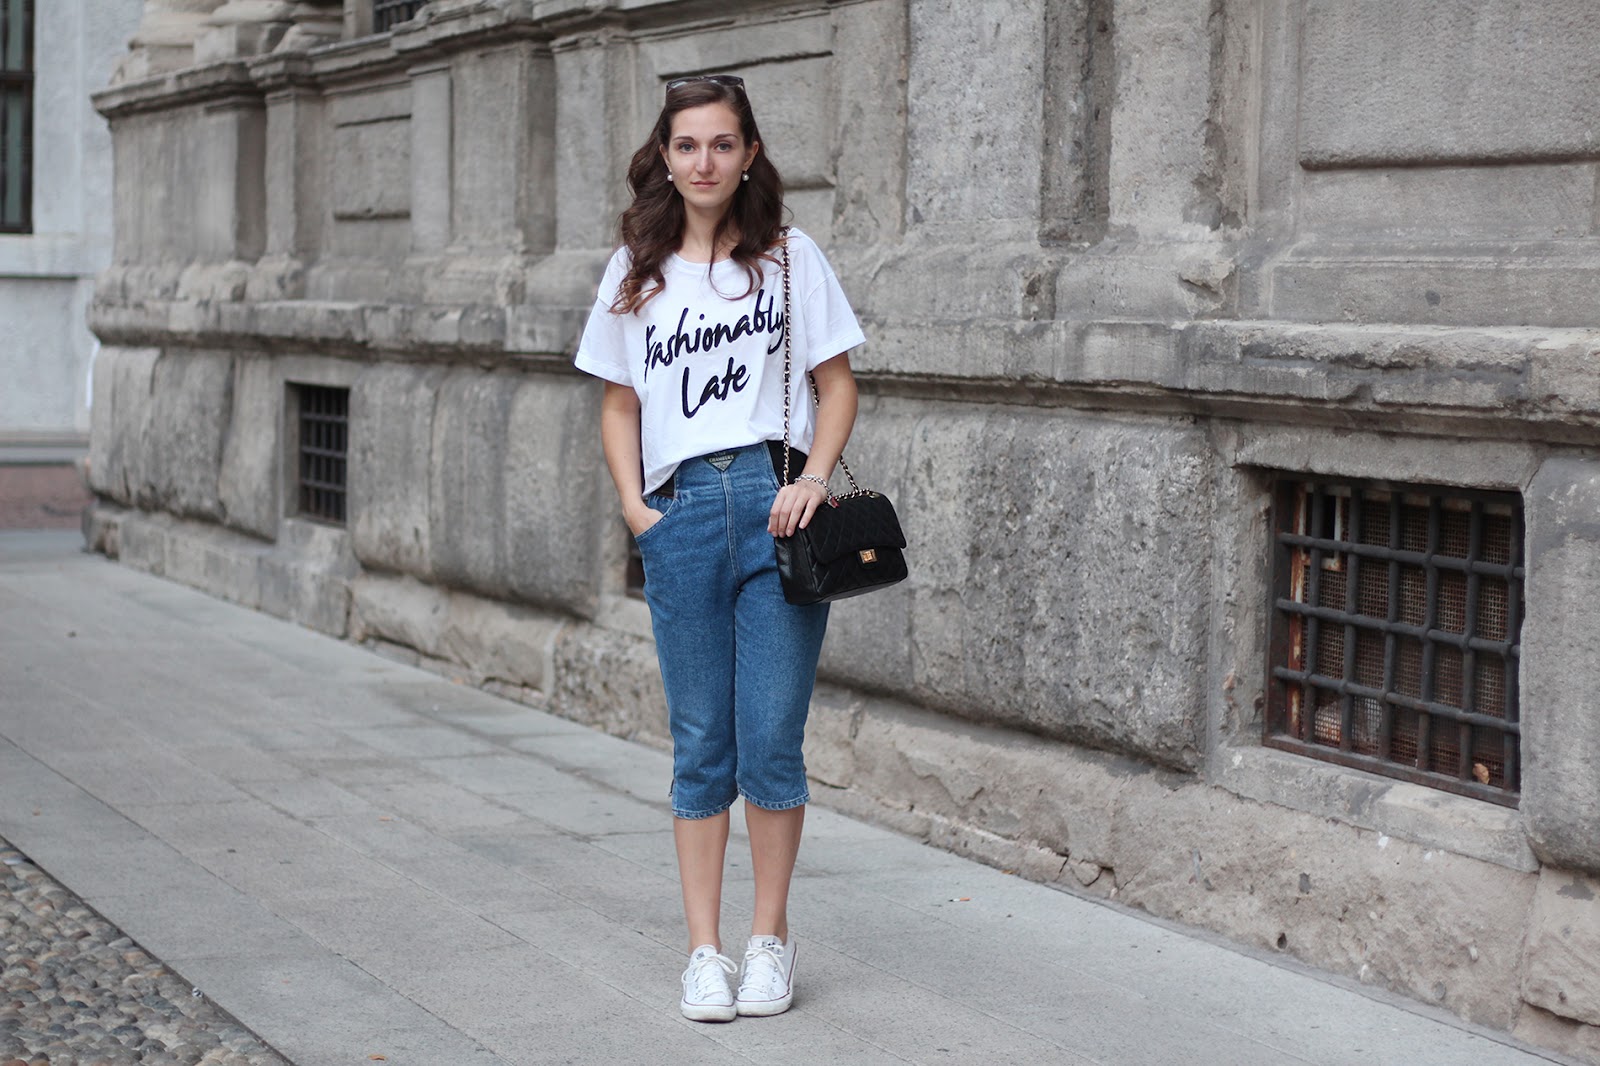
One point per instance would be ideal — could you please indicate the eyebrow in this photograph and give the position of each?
(713, 137)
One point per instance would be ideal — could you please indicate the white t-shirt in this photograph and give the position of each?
(708, 367)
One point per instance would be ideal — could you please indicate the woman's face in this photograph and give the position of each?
(707, 156)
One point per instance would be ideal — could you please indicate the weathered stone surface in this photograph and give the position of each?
(557, 493)
(609, 680)
(250, 478)
(466, 482)
(191, 408)
(391, 439)
(1333, 893)
(1088, 542)
(968, 162)
(119, 453)
(1562, 974)
(1496, 80)
(1561, 664)
(497, 642)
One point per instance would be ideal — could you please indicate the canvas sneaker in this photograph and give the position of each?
(767, 987)
(707, 996)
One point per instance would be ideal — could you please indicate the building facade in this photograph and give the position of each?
(55, 236)
(1232, 364)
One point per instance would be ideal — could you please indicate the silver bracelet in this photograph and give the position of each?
(818, 478)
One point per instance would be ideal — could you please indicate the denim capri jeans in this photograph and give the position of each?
(737, 661)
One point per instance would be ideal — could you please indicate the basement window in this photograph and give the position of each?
(387, 14)
(322, 434)
(1396, 631)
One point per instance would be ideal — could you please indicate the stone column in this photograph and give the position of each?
(165, 38)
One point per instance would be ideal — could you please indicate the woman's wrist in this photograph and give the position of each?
(816, 479)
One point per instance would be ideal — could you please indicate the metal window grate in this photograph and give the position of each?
(16, 116)
(324, 417)
(1396, 632)
(387, 14)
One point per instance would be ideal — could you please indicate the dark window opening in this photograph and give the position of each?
(387, 14)
(16, 116)
(1396, 632)
(323, 416)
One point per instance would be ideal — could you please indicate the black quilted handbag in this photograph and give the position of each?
(853, 543)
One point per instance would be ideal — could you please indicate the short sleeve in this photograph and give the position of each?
(603, 351)
(830, 323)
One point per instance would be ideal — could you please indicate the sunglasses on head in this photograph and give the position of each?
(732, 81)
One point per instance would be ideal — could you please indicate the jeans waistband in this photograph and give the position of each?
(797, 463)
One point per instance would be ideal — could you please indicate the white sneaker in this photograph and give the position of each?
(707, 996)
(767, 987)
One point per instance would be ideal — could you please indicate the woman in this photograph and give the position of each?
(689, 334)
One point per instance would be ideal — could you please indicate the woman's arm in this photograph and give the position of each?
(619, 436)
(836, 416)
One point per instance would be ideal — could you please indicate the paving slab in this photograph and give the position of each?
(356, 858)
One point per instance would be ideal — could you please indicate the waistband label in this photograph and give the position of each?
(721, 460)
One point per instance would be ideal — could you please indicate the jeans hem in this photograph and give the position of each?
(785, 805)
(695, 816)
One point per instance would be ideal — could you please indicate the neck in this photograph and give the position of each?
(695, 244)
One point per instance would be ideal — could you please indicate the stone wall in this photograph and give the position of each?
(1120, 264)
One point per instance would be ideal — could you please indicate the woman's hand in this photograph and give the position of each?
(641, 518)
(793, 508)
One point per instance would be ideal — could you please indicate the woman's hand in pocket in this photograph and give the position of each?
(641, 518)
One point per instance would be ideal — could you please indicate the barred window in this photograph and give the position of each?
(321, 441)
(387, 14)
(1396, 632)
(16, 116)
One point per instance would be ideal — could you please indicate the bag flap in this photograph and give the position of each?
(854, 524)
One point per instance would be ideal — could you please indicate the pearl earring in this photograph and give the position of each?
(746, 176)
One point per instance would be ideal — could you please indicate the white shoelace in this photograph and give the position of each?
(703, 979)
(763, 972)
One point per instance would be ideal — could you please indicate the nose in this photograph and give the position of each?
(702, 161)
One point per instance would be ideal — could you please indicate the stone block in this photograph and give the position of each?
(120, 424)
(215, 561)
(371, 159)
(466, 484)
(869, 76)
(1164, 117)
(400, 610)
(1020, 788)
(142, 541)
(610, 681)
(1455, 202)
(504, 138)
(191, 405)
(391, 441)
(1561, 664)
(1059, 575)
(1562, 969)
(966, 161)
(557, 493)
(1441, 927)
(1495, 81)
(499, 641)
(251, 477)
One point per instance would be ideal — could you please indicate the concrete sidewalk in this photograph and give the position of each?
(357, 858)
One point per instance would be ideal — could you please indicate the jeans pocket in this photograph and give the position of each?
(665, 505)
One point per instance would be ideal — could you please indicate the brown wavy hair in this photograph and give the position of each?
(652, 226)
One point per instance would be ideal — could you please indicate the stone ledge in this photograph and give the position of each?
(1423, 816)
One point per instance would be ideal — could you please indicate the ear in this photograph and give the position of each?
(751, 153)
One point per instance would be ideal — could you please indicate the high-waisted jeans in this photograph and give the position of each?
(737, 661)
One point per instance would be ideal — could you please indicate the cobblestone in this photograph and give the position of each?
(74, 991)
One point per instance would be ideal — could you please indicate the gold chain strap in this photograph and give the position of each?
(788, 334)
